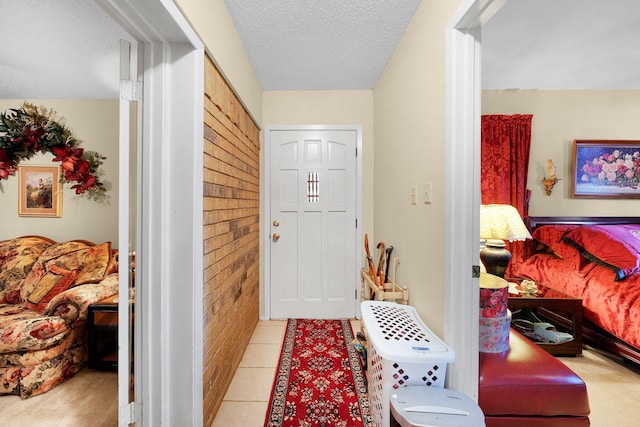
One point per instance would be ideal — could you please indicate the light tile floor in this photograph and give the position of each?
(245, 403)
(611, 386)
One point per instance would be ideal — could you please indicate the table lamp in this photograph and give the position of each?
(497, 224)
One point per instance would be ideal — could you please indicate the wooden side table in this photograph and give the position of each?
(551, 304)
(103, 334)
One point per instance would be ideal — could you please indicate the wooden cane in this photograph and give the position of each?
(372, 268)
(380, 270)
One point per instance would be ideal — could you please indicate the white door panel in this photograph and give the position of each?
(313, 267)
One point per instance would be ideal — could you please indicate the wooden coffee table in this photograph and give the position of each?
(553, 306)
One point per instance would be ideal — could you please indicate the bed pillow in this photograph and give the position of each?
(614, 246)
(551, 237)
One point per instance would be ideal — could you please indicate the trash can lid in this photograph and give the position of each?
(421, 406)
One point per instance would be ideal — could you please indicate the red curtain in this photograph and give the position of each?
(504, 165)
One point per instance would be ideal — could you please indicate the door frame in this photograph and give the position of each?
(129, 117)
(265, 294)
(462, 189)
(169, 258)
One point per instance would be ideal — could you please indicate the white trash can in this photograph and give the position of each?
(418, 406)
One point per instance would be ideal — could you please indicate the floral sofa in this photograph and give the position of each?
(45, 290)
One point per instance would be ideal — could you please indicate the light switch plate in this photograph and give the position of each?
(427, 192)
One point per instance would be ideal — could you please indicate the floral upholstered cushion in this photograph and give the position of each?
(22, 329)
(35, 357)
(40, 266)
(17, 257)
(35, 380)
(90, 261)
(10, 380)
(56, 280)
(74, 303)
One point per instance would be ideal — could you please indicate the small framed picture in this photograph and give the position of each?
(606, 169)
(39, 191)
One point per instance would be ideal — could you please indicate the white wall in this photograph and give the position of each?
(409, 117)
(95, 123)
(559, 117)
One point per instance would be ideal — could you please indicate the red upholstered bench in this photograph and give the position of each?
(526, 386)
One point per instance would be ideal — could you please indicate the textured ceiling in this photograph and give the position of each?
(320, 44)
(58, 49)
(69, 48)
(563, 44)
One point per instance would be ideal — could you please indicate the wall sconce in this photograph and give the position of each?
(551, 179)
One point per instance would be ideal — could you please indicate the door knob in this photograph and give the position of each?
(276, 236)
(275, 223)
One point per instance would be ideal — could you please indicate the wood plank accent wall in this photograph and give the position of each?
(231, 236)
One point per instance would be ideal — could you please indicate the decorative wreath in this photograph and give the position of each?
(27, 130)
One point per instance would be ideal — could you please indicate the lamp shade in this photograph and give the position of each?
(502, 222)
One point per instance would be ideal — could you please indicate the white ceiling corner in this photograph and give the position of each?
(563, 44)
(64, 49)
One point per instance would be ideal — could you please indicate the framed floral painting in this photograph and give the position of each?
(606, 169)
(39, 191)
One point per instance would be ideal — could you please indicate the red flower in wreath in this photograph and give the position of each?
(30, 139)
(75, 168)
(64, 151)
(81, 174)
(7, 166)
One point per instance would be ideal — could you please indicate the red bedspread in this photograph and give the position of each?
(612, 305)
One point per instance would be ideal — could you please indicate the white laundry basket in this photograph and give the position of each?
(401, 351)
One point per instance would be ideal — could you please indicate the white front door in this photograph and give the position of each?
(312, 227)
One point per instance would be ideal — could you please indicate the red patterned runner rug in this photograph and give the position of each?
(320, 381)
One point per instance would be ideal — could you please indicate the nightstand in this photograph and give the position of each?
(103, 334)
(551, 305)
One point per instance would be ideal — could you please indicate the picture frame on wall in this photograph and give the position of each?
(606, 169)
(39, 191)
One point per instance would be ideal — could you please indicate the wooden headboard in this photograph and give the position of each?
(533, 222)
